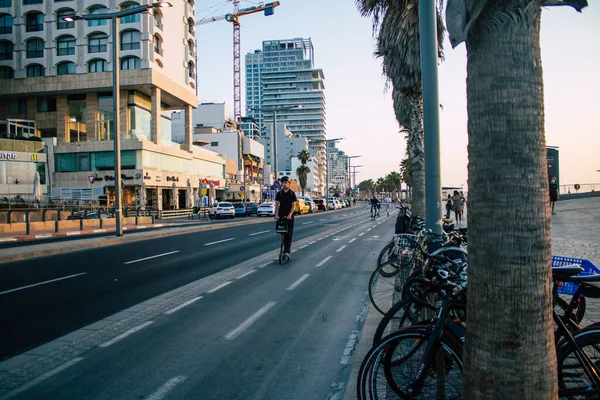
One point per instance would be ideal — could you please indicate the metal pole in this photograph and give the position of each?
(429, 73)
(349, 178)
(117, 119)
(326, 175)
(245, 188)
(275, 144)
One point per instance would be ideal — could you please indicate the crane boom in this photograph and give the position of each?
(234, 19)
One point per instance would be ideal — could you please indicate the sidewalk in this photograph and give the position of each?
(575, 233)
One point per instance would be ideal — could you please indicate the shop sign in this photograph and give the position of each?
(8, 156)
(209, 182)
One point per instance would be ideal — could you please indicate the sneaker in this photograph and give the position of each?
(288, 254)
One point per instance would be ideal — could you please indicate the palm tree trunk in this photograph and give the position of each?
(416, 150)
(509, 350)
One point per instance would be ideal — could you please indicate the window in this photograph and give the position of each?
(6, 23)
(61, 23)
(130, 63)
(5, 3)
(94, 10)
(157, 19)
(6, 50)
(191, 47)
(191, 70)
(34, 22)
(34, 70)
(65, 46)
(130, 40)
(191, 24)
(158, 44)
(18, 106)
(130, 19)
(214, 144)
(7, 73)
(97, 43)
(65, 68)
(35, 48)
(98, 66)
(32, 2)
(46, 103)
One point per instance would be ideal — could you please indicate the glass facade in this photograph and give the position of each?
(21, 172)
(97, 161)
(140, 123)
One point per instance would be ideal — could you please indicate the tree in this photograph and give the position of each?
(303, 156)
(398, 45)
(302, 172)
(406, 172)
(510, 327)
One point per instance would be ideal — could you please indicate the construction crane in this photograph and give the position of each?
(234, 19)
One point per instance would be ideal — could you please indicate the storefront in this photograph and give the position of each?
(18, 172)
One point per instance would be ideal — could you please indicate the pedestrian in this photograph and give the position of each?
(448, 206)
(456, 207)
(553, 194)
(463, 201)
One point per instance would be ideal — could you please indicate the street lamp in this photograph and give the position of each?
(114, 17)
(354, 173)
(275, 111)
(350, 176)
(326, 163)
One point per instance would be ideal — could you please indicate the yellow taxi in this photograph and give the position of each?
(301, 207)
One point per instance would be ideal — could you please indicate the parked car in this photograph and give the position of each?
(301, 207)
(267, 208)
(251, 208)
(89, 215)
(331, 205)
(321, 205)
(240, 210)
(223, 209)
(312, 207)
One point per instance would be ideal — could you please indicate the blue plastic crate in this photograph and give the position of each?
(588, 269)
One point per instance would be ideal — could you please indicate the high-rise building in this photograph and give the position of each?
(337, 165)
(59, 74)
(282, 75)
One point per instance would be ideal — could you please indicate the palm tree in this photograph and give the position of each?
(398, 45)
(366, 186)
(509, 262)
(303, 156)
(302, 172)
(406, 173)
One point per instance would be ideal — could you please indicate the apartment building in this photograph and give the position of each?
(59, 74)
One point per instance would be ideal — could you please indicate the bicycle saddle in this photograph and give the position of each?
(566, 272)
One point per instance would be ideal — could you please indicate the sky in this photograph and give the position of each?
(358, 101)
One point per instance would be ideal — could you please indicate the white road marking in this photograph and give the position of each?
(218, 241)
(221, 286)
(351, 240)
(151, 257)
(248, 323)
(264, 265)
(258, 233)
(41, 283)
(246, 274)
(299, 281)
(313, 242)
(125, 334)
(324, 219)
(369, 229)
(324, 261)
(360, 234)
(41, 378)
(179, 307)
(301, 247)
(340, 249)
(166, 388)
(309, 222)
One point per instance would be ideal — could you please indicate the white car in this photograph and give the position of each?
(222, 210)
(267, 208)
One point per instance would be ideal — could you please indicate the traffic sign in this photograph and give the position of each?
(577, 187)
(91, 178)
(242, 188)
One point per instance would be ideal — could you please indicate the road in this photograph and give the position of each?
(201, 315)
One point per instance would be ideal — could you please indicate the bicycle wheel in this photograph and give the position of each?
(573, 382)
(389, 368)
(384, 290)
(389, 253)
(402, 314)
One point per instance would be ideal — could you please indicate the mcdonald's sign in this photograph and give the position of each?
(34, 157)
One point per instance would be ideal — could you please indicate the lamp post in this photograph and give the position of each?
(354, 173)
(350, 176)
(275, 111)
(326, 164)
(114, 17)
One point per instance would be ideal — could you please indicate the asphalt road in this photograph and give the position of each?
(85, 286)
(277, 332)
